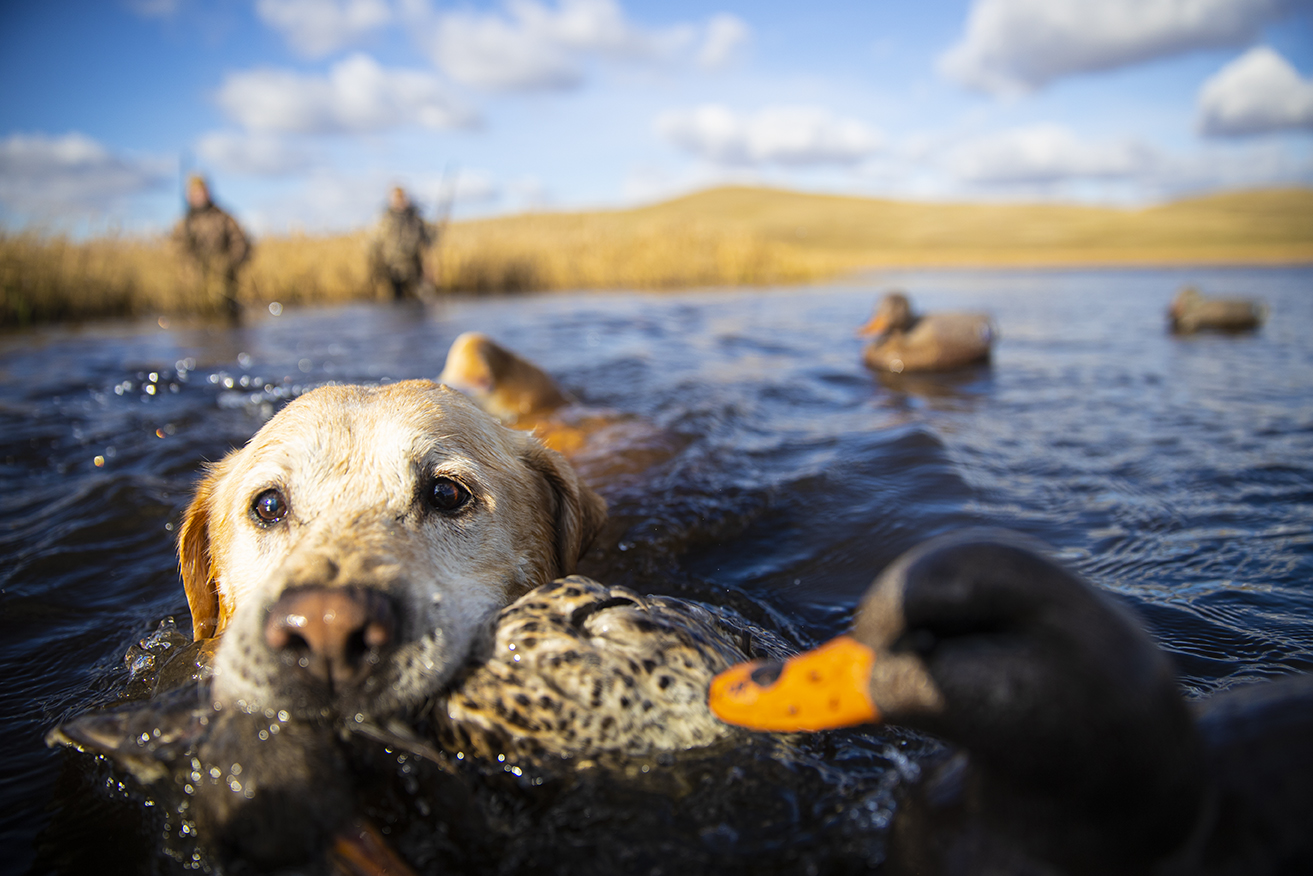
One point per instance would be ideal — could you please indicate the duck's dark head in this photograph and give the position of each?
(1053, 689)
(892, 314)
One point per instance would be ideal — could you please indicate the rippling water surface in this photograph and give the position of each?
(1176, 472)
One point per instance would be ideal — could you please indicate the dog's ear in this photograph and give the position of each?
(578, 512)
(195, 563)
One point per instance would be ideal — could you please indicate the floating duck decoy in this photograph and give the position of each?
(906, 342)
(1077, 752)
(1192, 312)
(602, 444)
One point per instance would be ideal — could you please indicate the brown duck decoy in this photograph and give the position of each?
(906, 342)
(1076, 752)
(1192, 312)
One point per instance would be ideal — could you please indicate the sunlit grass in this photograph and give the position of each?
(721, 237)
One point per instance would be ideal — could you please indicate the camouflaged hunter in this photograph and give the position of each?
(398, 244)
(215, 245)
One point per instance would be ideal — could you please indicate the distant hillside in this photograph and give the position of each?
(1266, 226)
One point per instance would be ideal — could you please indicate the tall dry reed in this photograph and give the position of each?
(721, 237)
(45, 279)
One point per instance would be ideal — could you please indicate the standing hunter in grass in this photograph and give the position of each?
(215, 245)
(397, 247)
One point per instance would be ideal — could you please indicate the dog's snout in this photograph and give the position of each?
(336, 635)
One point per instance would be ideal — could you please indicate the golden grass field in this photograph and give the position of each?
(720, 237)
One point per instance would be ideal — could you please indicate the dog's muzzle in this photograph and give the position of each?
(334, 637)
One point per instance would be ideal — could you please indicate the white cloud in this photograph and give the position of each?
(41, 175)
(529, 45)
(325, 202)
(314, 28)
(470, 187)
(1235, 165)
(357, 96)
(339, 201)
(1257, 93)
(247, 154)
(789, 135)
(491, 52)
(1014, 46)
(1052, 161)
(726, 34)
(1046, 154)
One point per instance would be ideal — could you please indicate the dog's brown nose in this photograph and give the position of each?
(336, 635)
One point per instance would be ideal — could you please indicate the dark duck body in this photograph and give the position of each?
(1076, 752)
(907, 342)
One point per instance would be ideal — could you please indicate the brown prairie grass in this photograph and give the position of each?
(721, 237)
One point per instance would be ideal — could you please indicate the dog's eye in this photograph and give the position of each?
(269, 507)
(447, 495)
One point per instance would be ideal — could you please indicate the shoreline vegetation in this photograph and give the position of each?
(731, 236)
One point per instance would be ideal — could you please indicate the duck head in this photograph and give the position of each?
(1059, 698)
(892, 314)
(1185, 300)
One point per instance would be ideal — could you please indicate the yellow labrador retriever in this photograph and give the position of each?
(352, 550)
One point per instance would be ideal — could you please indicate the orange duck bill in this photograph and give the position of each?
(824, 688)
(878, 325)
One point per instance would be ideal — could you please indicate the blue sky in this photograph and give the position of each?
(303, 112)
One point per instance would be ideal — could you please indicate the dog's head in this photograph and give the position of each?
(351, 551)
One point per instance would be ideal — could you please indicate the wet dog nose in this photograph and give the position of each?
(335, 635)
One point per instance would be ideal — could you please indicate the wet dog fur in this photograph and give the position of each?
(334, 495)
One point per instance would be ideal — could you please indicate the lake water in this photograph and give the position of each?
(1175, 472)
